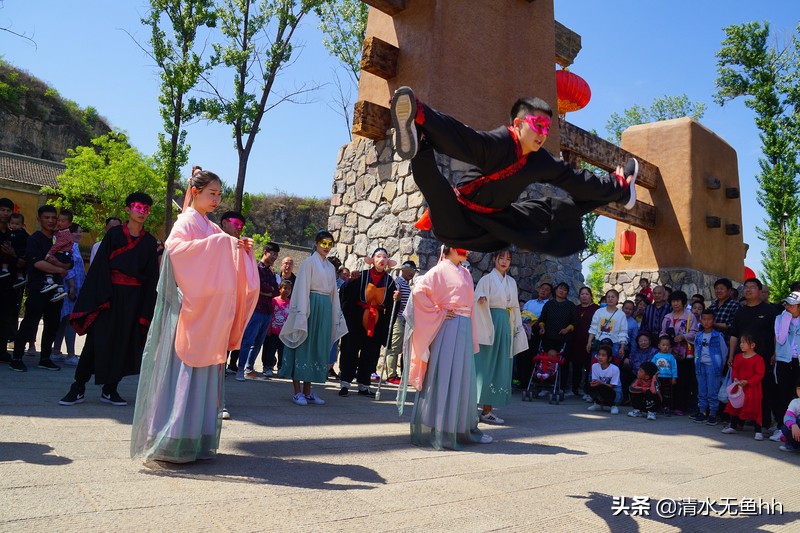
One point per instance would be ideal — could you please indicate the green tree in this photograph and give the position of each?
(99, 177)
(258, 45)
(175, 49)
(344, 24)
(663, 108)
(766, 76)
(598, 268)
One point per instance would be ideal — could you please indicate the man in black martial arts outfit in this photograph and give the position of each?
(115, 305)
(482, 211)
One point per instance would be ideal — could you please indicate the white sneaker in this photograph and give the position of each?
(776, 437)
(72, 360)
(728, 430)
(314, 399)
(240, 376)
(651, 415)
(595, 407)
(635, 413)
(614, 410)
(632, 170)
(225, 414)
(544, 394)
(486, 439)
(587, 398)
(298, 399)
(759, 436)
(491, 418)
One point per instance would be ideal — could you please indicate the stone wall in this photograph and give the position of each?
(687, 280)
(375, 202)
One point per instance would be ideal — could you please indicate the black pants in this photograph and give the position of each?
(549, 225)
(788, 373)
(86, 365)
(770, 400)
(666, 391)
(359, 357)
(8, 312)
(38, 307)
(578, 371)
(603, 395)
(234, 359)
(686, 387)
(645, 401)
(272, 346)
(737, 422)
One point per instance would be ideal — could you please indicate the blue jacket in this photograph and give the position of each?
(783, 352)
(717, 349)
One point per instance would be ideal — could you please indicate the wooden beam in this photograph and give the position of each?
(371, 120)
(642, 215)
(603, 154)
(568, 44)
(379, 58)
(390, 7)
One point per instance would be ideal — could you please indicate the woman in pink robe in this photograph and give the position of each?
(207, 291)
(442, 343)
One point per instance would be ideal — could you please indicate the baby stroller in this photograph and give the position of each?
(546, 377)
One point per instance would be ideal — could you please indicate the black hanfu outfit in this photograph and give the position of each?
(367, 307)
(481, 210)
(115, 306)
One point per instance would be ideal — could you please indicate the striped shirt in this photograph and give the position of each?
(405, 292)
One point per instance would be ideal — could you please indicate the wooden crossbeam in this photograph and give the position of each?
(379, 58)
(603, 154)
(568, 44)
(371, 120)
(642, 215)
(390, 7)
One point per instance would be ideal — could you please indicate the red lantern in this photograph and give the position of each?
(627, 244)
(573, 92)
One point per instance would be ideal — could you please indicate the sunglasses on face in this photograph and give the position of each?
(236, 223)
(327, 244)
(540, 125)
(140, 208)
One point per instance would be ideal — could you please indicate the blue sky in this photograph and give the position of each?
(633, 52)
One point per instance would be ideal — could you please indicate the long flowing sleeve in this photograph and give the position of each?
(482, 316)
(519, 341)
(295, 329)
(427, 319)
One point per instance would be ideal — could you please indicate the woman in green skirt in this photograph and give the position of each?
(314, 323)
(500, 336)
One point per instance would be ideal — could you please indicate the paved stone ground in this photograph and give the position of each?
(348, 465)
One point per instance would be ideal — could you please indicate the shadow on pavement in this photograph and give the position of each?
(266, 469)
(686, 515)
(38, 454)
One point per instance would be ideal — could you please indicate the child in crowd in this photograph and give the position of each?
(645, 290)
(645, 393)
(790, 429)
(280, 310)
(610, 323)
(710, 364)
(61, 251)
(667, 371)
(697, 310)
(629, 307)
(605, 387)
(748, 371)
(19, 241)
(641, 352)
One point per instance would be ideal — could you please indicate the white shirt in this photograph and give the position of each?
(609, 375)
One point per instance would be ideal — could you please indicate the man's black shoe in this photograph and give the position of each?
(344, 391)
(18, 366)
(75, 395)
(366, 392)
(47, 364)
(113, 398)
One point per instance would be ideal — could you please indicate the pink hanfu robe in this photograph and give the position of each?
(441, 365)
(207, 290)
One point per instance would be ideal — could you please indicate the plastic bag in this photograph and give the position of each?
(723, 390)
